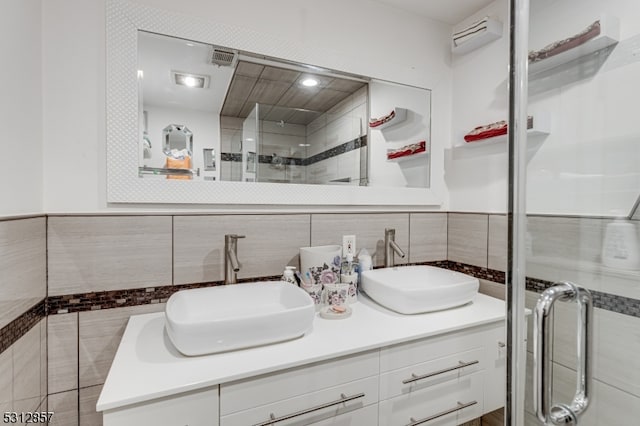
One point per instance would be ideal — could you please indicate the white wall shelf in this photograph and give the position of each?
(609, 35)
(493, 31)
(541, 127)
(400, 115)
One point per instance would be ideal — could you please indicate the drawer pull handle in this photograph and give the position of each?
(461, 364)
(343, 399)
(459, 407)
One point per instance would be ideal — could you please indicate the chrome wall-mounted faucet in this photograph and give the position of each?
(231, 264)
(391, 248)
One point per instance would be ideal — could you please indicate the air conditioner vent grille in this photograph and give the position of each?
(223, 57)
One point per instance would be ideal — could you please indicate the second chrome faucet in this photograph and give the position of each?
(231, 264)
(391, 248)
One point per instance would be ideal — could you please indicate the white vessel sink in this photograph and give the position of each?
(223, 318)
(418, 289)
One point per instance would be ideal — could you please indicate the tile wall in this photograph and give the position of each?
(98, 262)
(23, 324)
(344, 122)
(569, 249)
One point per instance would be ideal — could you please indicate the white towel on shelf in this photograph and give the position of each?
(470, 32)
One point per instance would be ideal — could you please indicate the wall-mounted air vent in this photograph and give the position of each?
(224, 57)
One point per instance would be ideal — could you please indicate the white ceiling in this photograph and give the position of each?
(159, 55)
(449, 11)
(232, 91)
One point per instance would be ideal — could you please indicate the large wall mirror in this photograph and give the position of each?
(200, 114)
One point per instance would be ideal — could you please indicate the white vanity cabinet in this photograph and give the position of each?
(373, 368)
(440, 380)
(342, 391)
(449, 379)
(195, 408)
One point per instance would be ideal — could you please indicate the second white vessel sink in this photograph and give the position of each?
(418, 289)
(223, 318)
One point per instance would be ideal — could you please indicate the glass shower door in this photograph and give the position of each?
(577, 230)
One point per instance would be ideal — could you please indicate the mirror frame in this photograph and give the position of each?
(124, 20)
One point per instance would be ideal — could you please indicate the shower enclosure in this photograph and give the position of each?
(573, 236)
(294, 145)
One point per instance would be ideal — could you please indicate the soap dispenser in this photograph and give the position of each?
(349, 275)
(620, 248)
(288, 276)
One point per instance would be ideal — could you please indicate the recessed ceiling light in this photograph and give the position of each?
(309, 82)
(304, 144)
(191, 80)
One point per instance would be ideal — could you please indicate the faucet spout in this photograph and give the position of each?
(396, 248)
(391, 248)
(233, 258)
(231, 264)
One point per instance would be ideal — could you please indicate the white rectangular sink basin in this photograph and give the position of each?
(224, 318)
(418, 289)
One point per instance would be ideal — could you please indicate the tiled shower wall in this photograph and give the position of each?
(98, 262)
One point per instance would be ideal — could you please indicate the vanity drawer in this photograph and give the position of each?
(407, 354)
(367, 416)
(443, 403)
(311, 408)
(425, 374)
(269, 388)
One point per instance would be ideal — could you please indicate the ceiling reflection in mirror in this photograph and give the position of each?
(251, 120)
(212, 113)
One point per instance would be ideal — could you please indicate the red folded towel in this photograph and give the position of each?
(375, 122)
(407, 150)
(490, 130)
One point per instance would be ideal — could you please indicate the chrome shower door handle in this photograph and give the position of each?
(542, 375)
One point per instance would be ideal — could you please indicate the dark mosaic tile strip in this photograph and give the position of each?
(477, 271)
(333, 152)
(289, 161)
(143, 296)
(131, 297)
(610, 302)
(230, 156)
(10, 333)
(264, 159)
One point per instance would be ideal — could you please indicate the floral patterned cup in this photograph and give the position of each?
(336, 294)
(322, 263)
(315, 292)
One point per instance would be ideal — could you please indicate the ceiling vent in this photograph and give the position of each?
(224, 57)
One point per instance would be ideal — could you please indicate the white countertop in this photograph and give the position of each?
(147, 366)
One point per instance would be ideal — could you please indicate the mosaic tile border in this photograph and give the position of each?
(333, 152)
(12, 332)
(143, 296)
(607, 301)
(610, 302)
(81, 302)
(94, 301)
(338, 150)
(477, 271)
